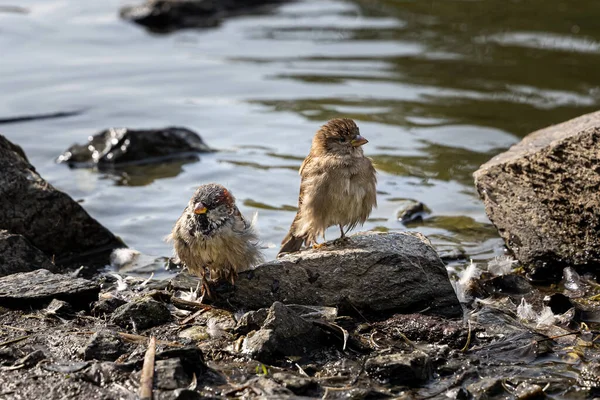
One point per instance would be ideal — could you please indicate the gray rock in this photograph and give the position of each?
(542, 195)
(283, 333)
(167, 15)
(251, 321)
(382, 273)
(191, 357)
(411, 369)
(31, 359)
(123, 146)
(48, 218)
(299, 385)
(17, 254)
(529, 391)
(141, 314)
(106, 306)
(486, 388)
(27, 289)
(104, 346)
(411, 210)
(170, 374)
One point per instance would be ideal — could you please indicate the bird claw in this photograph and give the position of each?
(318, 245)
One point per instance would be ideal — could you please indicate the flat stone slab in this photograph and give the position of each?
(381, 273)
(39, 287)
(543, 195)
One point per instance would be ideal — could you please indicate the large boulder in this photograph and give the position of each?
(168, 15)
(374, 273)
(543, 196)
(48, 218)
(123, 146)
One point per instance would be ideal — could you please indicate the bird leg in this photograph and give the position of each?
(205, 288)
(343, 236)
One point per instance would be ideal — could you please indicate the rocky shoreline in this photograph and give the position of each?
(375, 316)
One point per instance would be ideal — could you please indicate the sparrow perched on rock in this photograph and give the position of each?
(212, 235)
(337, 185)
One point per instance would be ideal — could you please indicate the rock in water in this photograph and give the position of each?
(168, 15)
(124, 146)
(18, 255)
(381, 273)
(542, 195)
(48, 218)
(27, 289)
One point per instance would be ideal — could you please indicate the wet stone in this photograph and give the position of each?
(486, 388)
(49, 219)
(141, 314)
(191, 357)
(411, 211)
(134, 146)
(27, 289)
(104, 346)
(299, 385)
(106, 306)
(170, 374)
(283, 333)
(251, 321)
(401, 368)
(528, 391)
(17, 254)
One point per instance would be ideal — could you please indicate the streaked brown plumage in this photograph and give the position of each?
(338, 185)
(212, 235)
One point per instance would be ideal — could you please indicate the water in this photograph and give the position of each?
(438, 88)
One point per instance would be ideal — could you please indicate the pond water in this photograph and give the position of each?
(438, 88)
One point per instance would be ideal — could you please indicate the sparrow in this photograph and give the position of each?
(212, 235)
(337, 185)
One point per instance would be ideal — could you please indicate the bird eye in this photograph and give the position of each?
(342, 140)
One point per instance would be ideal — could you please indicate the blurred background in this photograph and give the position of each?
(437, 87)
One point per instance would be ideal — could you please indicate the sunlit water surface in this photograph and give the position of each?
(438, 88)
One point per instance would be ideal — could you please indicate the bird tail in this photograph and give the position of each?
(290, 244)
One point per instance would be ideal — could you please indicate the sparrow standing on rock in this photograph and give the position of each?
(212, 235)
(337, 185)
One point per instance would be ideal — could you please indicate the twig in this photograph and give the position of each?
(464, 349)
(193, 316)
(407, 340)
(15, 340)
(181, 303)
(139, 338)
(15, 328)
(148, 371)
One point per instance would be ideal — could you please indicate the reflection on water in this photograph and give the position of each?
(437, 87)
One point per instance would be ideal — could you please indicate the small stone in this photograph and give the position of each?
(409, 369)
(170, 374)
(299, 385)
(104, 346)
(251, 321)
(141, 314)
(106, 306)
(486, 388)
(283, 333)
(412, 210)
(196, 333)
(528, 391)
(191, 357)
(27, 289)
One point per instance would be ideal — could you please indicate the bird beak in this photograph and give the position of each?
(199, 208)
(358, 141)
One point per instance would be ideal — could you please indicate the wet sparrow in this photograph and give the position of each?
(212, 235)
(337, 185)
